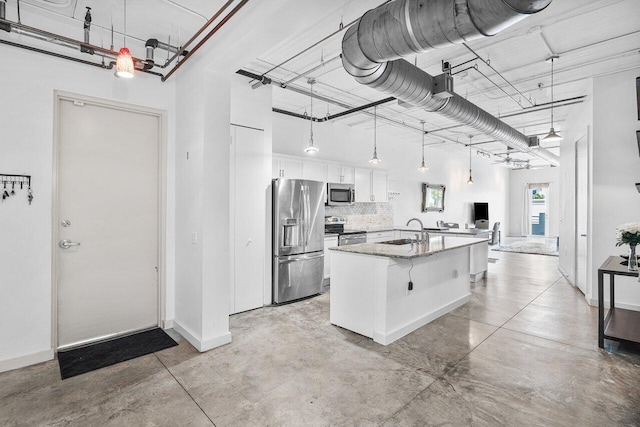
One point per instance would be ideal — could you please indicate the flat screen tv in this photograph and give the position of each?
(480, 211)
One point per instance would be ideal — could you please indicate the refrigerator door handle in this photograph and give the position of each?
(307, 210)
(300, 258)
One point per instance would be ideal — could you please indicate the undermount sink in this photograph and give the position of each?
(398, 242)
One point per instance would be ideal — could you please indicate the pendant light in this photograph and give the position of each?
(423, 168)
(124, 62)
(470, 181)
(311, 149)
(552, 136)
(375, 159)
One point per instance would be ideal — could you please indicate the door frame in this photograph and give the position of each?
(162, 116)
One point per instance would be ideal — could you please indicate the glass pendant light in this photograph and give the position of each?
(375, 159)
(311, 149)
(470, 181)
(124, 61)
(423, 168)
(552, 136)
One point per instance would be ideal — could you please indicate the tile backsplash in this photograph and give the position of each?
(363, 216)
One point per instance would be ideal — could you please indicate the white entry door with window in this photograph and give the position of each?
(107, 221)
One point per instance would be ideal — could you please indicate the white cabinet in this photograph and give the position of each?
(371, 186)
(315, 171)
(341, 174)
(329, 242)
(284, 167)
(379, 186)
(363, 185)
(379, 236)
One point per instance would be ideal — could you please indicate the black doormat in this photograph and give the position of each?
(86, 359)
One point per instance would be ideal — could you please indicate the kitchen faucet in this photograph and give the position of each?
(422, 232)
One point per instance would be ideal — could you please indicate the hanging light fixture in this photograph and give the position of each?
(311, 148)
(124, 62)
(375, 159)
(470, 181)
(552, 136)
(423, 168)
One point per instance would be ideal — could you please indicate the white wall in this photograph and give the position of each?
(26, 147)
(517, 181)
(341, 143)
(616, 167)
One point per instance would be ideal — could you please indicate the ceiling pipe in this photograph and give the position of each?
(205, 38)
(373, 47)
(151, 45)
(87, 31)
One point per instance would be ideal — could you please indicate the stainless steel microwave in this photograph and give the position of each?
(340, 194)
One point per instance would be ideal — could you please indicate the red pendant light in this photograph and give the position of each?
(124, 64)
(124, 61)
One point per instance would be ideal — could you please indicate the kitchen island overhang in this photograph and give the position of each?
(370, 284)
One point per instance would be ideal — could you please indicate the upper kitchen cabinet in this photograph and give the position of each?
(284, 167)
(371, 186)
(315, 171)
(379, 186)
(341, 174)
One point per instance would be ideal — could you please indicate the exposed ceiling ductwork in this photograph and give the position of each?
(373, 48)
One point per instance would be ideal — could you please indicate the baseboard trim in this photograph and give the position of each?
(632, 307)
(29, 359)
(167, 324)
(200, 345)
(565, 275)
(386, 339)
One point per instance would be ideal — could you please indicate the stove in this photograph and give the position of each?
(335, 225)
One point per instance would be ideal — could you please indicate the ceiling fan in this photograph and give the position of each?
(510, 162)
(527, 166)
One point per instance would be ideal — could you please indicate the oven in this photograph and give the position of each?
(340, 194)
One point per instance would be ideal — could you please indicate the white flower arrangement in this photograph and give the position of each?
(628, 234)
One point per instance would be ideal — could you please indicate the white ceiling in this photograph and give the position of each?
(592, 38)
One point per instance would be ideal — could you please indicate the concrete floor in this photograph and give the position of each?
(522, 352)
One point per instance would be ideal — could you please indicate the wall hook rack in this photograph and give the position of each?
(10, 183)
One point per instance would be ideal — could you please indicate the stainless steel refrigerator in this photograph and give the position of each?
(298, 238)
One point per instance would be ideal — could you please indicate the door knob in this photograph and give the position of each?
(66, 244)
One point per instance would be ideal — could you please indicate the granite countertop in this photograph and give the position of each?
(436, 244)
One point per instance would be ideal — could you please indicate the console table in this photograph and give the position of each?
(619, 324)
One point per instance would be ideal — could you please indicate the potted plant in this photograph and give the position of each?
(629, 234)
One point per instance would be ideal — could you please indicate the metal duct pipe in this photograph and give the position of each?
(373, 47)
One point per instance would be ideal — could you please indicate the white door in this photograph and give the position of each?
(582, 212)
(250, 186)
(107, 202)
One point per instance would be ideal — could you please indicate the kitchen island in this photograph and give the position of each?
(370, 290)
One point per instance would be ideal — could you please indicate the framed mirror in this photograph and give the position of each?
(433, 197)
